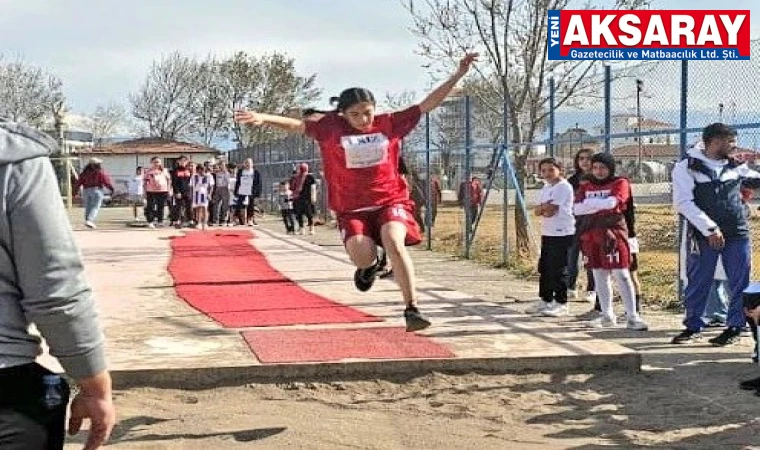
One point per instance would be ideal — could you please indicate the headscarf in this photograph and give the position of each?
(299, 179)
(607, 160)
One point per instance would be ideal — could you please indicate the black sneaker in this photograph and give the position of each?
(687, 336)
(729, 336)
(365, 278)
(385, 274)
(750, 385)
(415, 321)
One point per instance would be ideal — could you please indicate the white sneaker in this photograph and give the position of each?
(603, 322)
(636, 324)
(591, 296)
(302, 232)
(538, 307)
(90, 224)
(151, 225)
(555, 310)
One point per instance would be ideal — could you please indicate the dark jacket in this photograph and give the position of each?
(256, 188)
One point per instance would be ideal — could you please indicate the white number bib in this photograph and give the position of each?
(365, 150)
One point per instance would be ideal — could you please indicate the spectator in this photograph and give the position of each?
(557, 233)
(182, 209)
(202, 183)
(599, 209)
(304, 197)
(751, 303)
(158, 189)
(93, 180)
(476, 197)
(247, 190)
(582, 164)
(136, 192)
(42, 282)
(221, 195)
(285, 202)
(706, 191)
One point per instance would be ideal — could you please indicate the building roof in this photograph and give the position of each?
(152, 146)
(670, 151)
(647, 151)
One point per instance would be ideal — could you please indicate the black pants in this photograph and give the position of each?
(574, 255)
(182, 211)
(302, 209)
(156, 202)
(552, 268)
(25, 422)
(288, 220)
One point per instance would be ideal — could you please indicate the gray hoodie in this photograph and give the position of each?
(41, 273)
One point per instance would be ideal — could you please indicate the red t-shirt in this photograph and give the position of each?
(361, 167)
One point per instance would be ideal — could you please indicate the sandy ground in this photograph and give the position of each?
(696, 406)
(686, 397)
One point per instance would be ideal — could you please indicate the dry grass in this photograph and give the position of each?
(657, 230)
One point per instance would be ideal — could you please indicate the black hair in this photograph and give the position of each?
(577, 157)
(606, 159)
(352, 96)
(200, 167)
(403, 169)
(550, 160)
(717, 131)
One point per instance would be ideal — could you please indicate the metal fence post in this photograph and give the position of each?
(428, 188)
(607, 108)
(505, 181)
(682, 147)
(552, 108)
(467, 176)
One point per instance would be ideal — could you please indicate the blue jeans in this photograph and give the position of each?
(700, 271)
(93, 198)
(717, 302)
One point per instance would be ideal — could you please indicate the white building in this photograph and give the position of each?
(628, 123)
(121, 160)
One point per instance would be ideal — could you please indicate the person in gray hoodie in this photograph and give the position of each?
(42, 283)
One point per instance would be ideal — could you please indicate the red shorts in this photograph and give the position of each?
(369, 223)
(603, 251)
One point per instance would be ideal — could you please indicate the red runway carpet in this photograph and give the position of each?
(221, 275)
(293, 346)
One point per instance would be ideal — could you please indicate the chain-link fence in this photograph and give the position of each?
(474, 191)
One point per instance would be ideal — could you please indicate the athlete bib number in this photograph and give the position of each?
(365, 150)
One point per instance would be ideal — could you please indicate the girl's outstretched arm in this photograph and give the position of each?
(255, 119)
(435, 98)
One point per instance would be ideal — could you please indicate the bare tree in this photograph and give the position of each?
(106, 121)
(209, 107)
(164, 102)
(29, 94)
(511, 36)
(268, 83)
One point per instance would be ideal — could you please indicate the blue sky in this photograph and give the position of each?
(102, 48)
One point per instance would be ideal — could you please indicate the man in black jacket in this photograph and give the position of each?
(182, 206)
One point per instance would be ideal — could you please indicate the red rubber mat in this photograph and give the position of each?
(221, 275)
(333, 345)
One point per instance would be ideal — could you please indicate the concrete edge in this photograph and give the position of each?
(213, 377)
